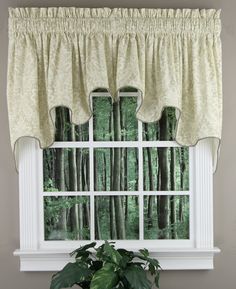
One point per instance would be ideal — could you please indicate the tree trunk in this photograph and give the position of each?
(97, 222)
(60, 167)
(182, 171)
(163, 165)
(151, 183)
(120, 222)
(113, 231)
(172, 184)
(75, 211)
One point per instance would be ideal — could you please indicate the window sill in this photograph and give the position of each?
(170, 259)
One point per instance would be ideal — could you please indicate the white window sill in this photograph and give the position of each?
(170, 259)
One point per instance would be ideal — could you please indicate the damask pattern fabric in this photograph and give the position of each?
(58, 56)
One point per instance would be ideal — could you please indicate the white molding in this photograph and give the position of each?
(170, 259)
(28, 193)
(114, 144)
(204, 195)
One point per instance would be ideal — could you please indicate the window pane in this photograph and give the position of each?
(164, 129)
(66, 131)
(129, 122)
(116, 218)
(116, 169)
(67, 218)
(166, 169)
(115, 121)
(166, 217)
(66, 169)
(102, 119)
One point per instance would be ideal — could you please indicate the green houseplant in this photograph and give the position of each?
(107, 268)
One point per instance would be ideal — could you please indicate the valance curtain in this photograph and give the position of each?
(58, 56)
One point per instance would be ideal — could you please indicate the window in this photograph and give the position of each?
(116, 178)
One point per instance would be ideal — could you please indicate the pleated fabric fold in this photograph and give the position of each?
(58, 56)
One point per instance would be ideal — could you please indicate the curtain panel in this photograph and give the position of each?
(58, 56)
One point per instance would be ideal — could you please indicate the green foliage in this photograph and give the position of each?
(131, 217)
(53, 209)
(107, 268)
(136, 276)
(105, 278)
(181, 225)
(116, 169)
(103, 115)
(103, 168)
(71, 274)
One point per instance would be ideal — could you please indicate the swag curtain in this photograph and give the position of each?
(58, 56)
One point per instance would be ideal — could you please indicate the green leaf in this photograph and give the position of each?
(96, 265)
(144, 252)
(71, 274)
(82, 249)
(152, 269)
(152, 261)
(82, 254)
(137, 278)
(105, 278)
(127, 256)
(113, 254)
(157, 278)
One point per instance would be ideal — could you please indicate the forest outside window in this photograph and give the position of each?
(116, 178)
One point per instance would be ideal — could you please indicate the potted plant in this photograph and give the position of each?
(107, 268)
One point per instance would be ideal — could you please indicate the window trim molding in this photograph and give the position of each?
(35, 258)
(170, 259)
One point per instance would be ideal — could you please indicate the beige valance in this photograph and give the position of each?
(58, 56)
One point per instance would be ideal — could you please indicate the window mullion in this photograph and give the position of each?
(91, 177)
(140, 182)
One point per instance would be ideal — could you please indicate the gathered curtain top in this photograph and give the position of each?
(114, 21)
(58, 56)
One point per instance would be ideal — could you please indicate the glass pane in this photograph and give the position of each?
(166, 217)
(116, 169)
(67, 218)
(102, 119)
(116, 218)
(66, 169)
(166, 169)
(66, 131)
(129, 122)
(164, 129)
(115, 121)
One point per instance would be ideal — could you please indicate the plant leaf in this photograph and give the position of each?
(136, 276)
(105, 278)
(113, 254)
(152, 261)
(71, 274)
(144, 252)
(96, 265)
(151, 268)
(127, 256)
(157, 280)
(83, 248)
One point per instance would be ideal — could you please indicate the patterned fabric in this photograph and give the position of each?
(58, 56)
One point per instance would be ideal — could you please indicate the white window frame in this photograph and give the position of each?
(197, 252)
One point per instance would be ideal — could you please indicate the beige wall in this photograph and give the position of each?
(224, 275)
